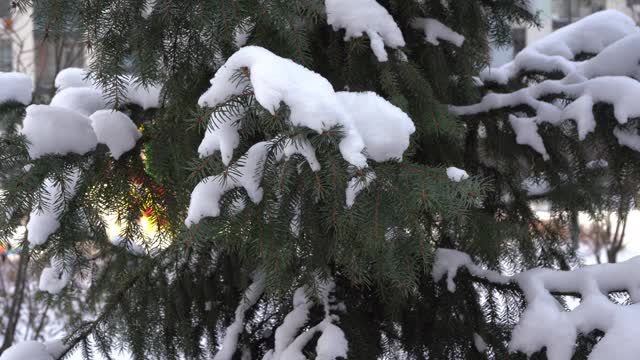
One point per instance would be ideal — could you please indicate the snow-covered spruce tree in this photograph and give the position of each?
(295, 158)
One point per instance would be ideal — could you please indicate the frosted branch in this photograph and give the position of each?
(434, 31)
(591, 34)
(332, 342)
(373, 128)
(545, 323)
(250, 298)
(360, 17)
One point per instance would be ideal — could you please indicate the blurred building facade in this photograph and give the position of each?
(24, 47)
(555, 14)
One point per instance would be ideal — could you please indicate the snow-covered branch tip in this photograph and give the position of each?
(250, 298)
(373, 128)
(556, 52)
(611, 77)
(434, 31)
(289, 343)
(545, 323)
(360, 17)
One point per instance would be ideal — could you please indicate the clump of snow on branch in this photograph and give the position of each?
(15, 87)
(526, 131)
(64, 126)
(54, 278)
(134, 93)
(434, 31)
(84, 100)
(310, 97)
(556, 51)
(205, 198)
(373, 128)
(289, 342)
(250, 298)
(221, 135)
(56, 130)
(46, 220)
(609, 77)
(356, 185)
(116, 130)
(145, 97)
(447, 262)
(34, 350)
(546, 324)
(384, 128)
(303, 147)
(358, 17)
(628, 138)
(72, 77)
(456, 175)
(479, 343)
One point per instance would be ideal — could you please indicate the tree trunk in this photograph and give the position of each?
(18, 297)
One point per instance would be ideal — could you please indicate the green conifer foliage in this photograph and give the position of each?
(176, 298)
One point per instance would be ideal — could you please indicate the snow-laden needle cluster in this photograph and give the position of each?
(373, 128)
(545, 322)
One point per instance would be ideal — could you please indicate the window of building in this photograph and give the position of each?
(5, 8)
(6, 58)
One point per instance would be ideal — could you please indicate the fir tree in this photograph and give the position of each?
(279, 236)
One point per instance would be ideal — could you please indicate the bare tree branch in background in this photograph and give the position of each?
(606, 233)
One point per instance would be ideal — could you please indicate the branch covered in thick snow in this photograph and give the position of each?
(250, 298)
(134, 93)
(205, 198)
(360, 17)
(434, 31)
(15, 87)
(56, 130)
(54, 278)
(64, 126)
(72, 77)
(373, 128)
(556, 51)
(116, 130)
(545, 323)
(367, 119)
(620, 91)
(84, 100)
(456, 175)
(332, 342)
(356, 185)
(34, 350)
(46, 220)
(627, 137)
(383, 127)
